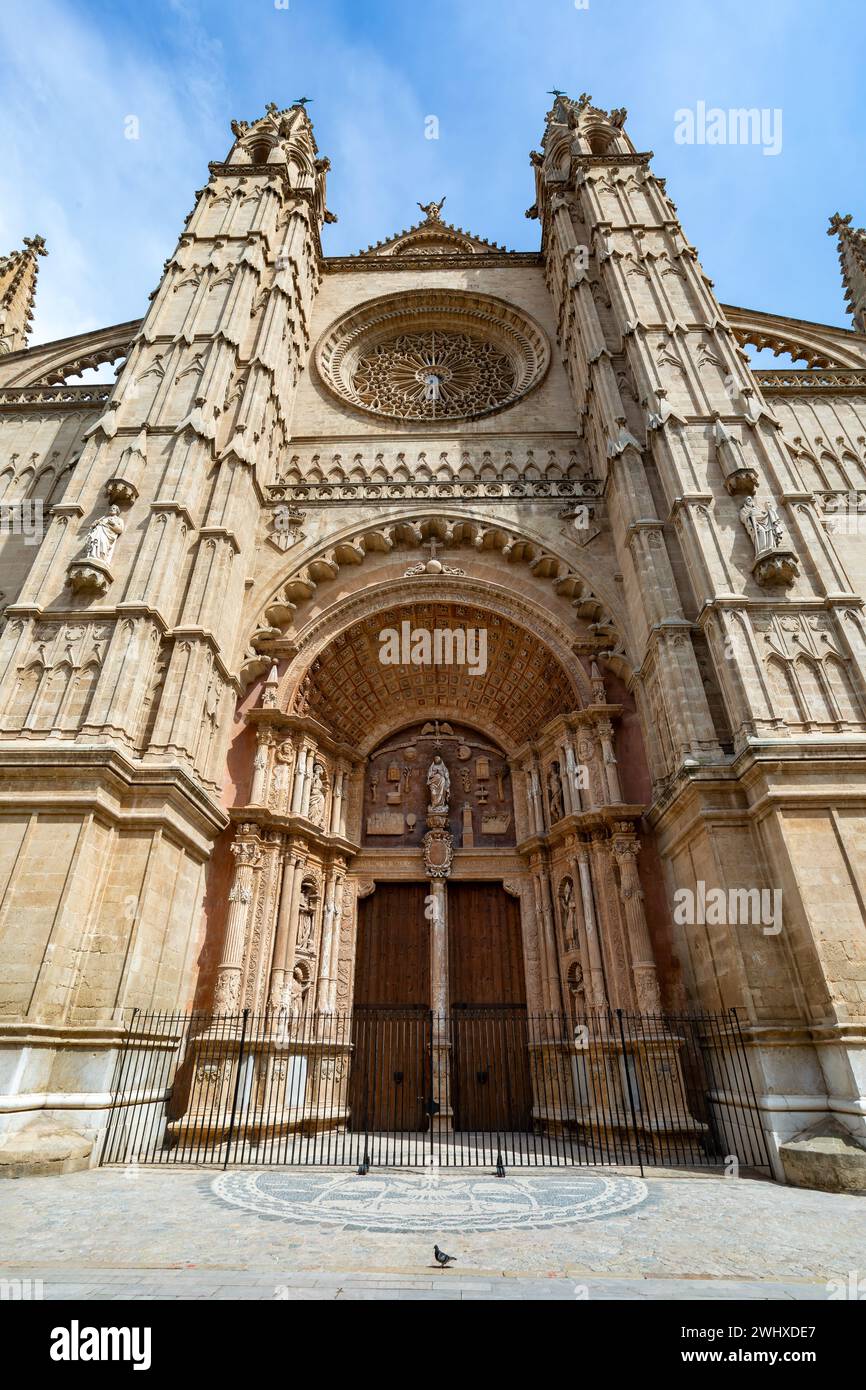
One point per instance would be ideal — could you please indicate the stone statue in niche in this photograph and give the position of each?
(283, 759)
(764, 527)
(599, 694)
(566, 903)
(576, 990)
(300, 990)
(316, 813)
(439, 783)
(775, 561)
(102, 536)
(305, 919)
(554, 792)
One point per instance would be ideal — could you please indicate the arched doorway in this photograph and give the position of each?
(445, 790)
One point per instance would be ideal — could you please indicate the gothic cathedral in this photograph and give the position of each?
(438, 626)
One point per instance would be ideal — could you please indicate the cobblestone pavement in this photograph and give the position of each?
(284, 1234)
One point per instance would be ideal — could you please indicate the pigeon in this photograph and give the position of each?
(441, 1258)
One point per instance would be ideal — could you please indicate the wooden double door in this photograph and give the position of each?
(487, 1082)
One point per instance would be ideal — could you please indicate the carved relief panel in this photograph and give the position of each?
(396, 795)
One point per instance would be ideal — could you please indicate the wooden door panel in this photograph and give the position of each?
(388, 1081)
(392, 959)
(485, 948)
(489, 1056)
(491, 1087)
(390, 1023)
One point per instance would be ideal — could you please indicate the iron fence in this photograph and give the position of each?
(398, 1087)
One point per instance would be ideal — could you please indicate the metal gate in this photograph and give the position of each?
(406, 1087)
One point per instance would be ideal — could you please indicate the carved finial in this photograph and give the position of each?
(270, 688)
(837, 222)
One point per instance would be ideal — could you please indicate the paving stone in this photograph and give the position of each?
(312, 1235)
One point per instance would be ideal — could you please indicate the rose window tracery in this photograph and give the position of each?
(432, 355)
(434, 375)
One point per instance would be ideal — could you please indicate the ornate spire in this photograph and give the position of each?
(17, 292)
(852, 259)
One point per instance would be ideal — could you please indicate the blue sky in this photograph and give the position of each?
(111, 208)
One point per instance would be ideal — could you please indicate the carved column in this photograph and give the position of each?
(436, 910)
(309, 766)
(337, 800)
(300, 780)
(533, 799)
(438, 913)
(248, 857)
(280, 790)
(620, 980)
(598, 992)
(438, 851)
(547, 934)
(336, 935)
(286, 936)
(329, 942)
(625, 849)
(570, 800)
(608, 757)
(573, 774)
(258, 791)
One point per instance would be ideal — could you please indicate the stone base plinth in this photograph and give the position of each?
(614, 1099)
(285, 1084)
(825, 1156)
(43, 1147)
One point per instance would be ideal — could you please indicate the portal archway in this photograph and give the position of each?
(538, 706)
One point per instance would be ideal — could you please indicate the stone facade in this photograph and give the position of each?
(567, 450)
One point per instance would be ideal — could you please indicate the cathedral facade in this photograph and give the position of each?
(438, 593)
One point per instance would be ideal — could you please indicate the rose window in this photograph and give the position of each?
(433, 376)
(432, 355)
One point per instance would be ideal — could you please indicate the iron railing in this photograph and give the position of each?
(407, 1087)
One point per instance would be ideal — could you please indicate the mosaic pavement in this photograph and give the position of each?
(423, 1202)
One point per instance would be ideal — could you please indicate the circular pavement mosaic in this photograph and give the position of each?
(421, 1201)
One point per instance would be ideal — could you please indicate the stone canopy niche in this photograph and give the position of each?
(481, 810)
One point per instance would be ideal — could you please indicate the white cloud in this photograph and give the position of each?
(100, 200)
